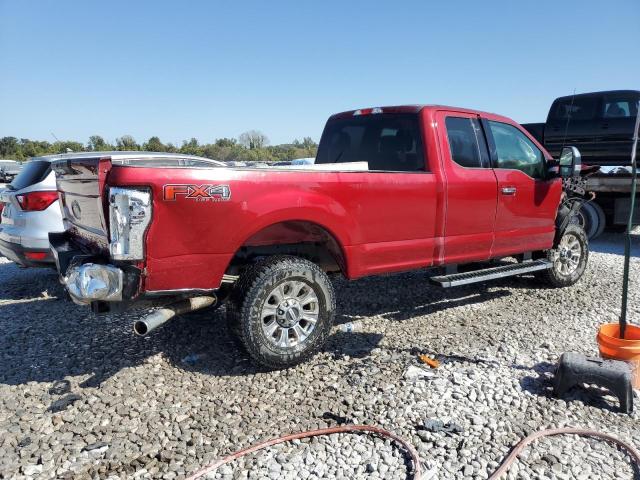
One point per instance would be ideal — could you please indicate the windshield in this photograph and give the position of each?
(31, 173)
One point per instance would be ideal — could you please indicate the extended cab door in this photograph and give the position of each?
(527, 198)
(471, 188)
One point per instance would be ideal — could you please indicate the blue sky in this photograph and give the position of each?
(210, 69)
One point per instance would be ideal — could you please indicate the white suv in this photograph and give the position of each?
(30, 210)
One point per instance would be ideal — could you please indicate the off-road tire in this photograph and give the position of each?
(251, 291)
(554, 276)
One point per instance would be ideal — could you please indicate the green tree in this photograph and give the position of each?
(253, 139)
(126, 142)
(34, 148)
(226, 142)
(97, 144)
(10, 148)
(192, 147)
(67, 145)
(154, 145)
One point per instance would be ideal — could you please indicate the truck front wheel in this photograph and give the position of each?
(282, 310)
(568, 258)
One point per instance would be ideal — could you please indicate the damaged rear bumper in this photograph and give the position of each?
(90, 278)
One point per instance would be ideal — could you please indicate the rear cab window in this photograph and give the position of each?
(32, 172)
(576, 108)
(619, 106)
(389, 142)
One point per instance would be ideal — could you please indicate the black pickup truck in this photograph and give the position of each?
(601, 125)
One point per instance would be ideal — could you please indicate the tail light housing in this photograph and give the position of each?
(36, 255)
(36, 201)
(129, 216)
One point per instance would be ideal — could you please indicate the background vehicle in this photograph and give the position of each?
(392, 189)
(303, 161)
(601, 125)
(30, 210)
(8, 170)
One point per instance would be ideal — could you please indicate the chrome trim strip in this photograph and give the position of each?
(158, 293)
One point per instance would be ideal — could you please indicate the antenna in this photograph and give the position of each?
(54, 136)
(566, 127)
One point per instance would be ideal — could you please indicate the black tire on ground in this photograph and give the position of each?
(592, 219)
(282, 310)
(569, 258)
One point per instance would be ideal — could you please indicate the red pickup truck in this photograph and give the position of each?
(392, 189)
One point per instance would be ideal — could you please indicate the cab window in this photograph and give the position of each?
(576, 108)
(389, 142)
(466, 142)
(515, 151)
(621, 106)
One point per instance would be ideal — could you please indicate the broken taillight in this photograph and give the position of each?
(36, 201)
(36, 255)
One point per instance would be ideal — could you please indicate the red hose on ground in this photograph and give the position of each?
(314, 433)
(507, 462)
(417, 473)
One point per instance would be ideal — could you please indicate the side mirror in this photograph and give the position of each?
(570, 162)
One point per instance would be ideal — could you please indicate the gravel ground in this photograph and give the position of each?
(81, 397)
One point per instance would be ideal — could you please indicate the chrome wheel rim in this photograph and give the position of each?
(568, 255)
(289, 314)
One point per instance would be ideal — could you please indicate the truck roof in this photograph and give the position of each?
(409, 109)
(603, 92)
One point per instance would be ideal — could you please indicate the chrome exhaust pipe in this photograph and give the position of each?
(161, 316)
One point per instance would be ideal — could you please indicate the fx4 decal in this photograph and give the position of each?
(199, 193)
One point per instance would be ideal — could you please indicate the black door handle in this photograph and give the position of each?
(605, 125)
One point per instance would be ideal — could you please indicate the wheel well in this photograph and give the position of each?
(300, 238)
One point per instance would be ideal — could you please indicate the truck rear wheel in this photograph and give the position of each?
(569, 258)
(282, 310)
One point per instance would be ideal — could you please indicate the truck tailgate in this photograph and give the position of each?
(81, 183)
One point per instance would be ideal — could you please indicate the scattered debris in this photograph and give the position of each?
(97, 447)
(351, 327)
(438, 426)
(414, 373)
(64, 402)
(574, 369)
(60, 387)
(432, 362)
(339, 419)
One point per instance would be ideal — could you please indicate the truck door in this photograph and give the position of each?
(615, 128)
(573, 121)
(471, 188)
(527, 199)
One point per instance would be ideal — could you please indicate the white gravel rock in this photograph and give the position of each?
(81, 397)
